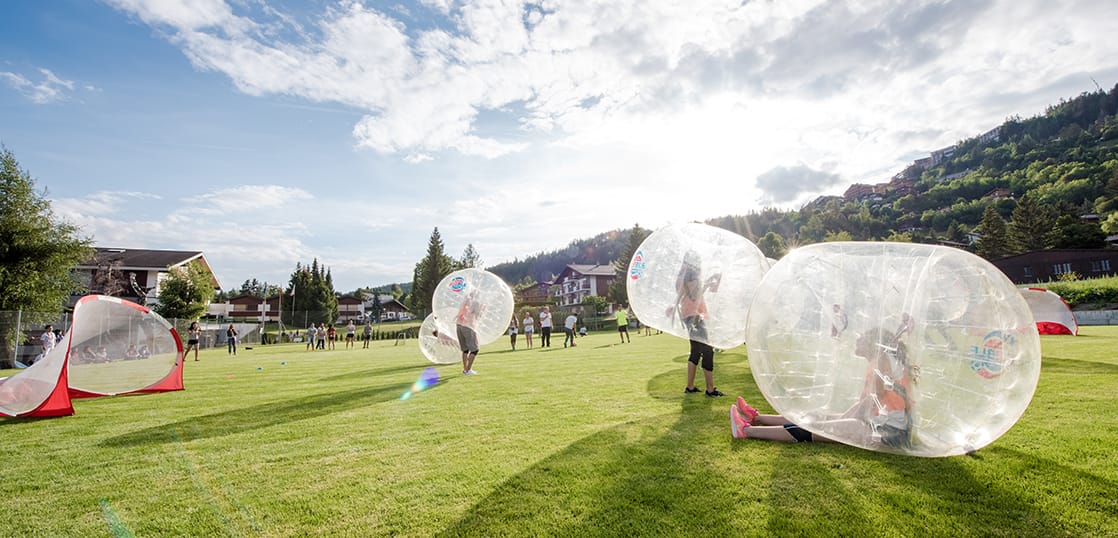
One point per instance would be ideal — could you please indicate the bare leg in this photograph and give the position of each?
(468, 361)
(691, 375)
(708, 376)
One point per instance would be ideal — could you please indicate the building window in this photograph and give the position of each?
(1028, 271)
(1061, 268)
(1100, 266)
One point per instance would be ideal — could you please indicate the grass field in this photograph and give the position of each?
(597, 440)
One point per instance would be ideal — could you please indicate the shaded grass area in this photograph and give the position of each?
(597, 440)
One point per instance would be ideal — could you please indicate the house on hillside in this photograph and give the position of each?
(534, 295)
(577, 282)
(134, 274)
(1046, 265)
(390, 308)
(246, 307)
(350, 308)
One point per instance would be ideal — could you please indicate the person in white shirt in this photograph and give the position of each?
(570, 325)
(529, 328)
(545, 327)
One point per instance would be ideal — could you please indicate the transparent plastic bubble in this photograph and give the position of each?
(487, 300)
(895, 347)
(696, 281)
(439, 346)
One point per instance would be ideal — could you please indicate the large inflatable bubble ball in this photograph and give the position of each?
(695, 281)
(894, 347)
(477, 298)
(439, 346)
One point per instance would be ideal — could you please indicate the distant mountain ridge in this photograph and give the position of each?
(1066, 158)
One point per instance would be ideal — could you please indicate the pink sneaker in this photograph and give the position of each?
(738, 424)
(746, 410)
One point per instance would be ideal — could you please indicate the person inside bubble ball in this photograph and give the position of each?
(691, 307)
(465, 323)
(882, 412)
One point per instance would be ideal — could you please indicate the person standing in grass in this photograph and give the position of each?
(320, 343)
(331, 335)
(691, 307)
(529, 327)
(312, 331)
(368, 334)
(512, 334)
(545, 327)
(623, 324)
(465, 324)
(350, 335)
(231, 339)
(193, 336)
(570, 325)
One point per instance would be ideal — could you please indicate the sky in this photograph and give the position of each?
(271, 133)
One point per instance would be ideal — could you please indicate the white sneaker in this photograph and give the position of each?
(471, 372)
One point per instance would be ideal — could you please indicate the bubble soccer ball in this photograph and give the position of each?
(487, 298)
(895, 347)
(439, 346)
(687, 267)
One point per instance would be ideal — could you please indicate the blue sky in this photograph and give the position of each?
(269, 133)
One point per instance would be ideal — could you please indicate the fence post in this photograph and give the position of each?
(19, 336)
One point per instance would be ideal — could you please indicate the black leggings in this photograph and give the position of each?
(703, 351)
(545, 336)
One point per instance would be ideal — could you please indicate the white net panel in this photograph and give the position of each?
(25, 391)
(1051, 313)
(118, 347)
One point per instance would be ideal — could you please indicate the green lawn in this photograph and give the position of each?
(597, 440)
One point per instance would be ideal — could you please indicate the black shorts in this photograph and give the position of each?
(192, 342)
(622, 328)
(799, 434)
(349, 336)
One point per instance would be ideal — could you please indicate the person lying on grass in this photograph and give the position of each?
(882, 412)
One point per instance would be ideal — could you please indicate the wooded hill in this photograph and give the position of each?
(1064, 161)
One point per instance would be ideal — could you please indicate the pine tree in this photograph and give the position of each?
(428, 273)
(994, 241)
(1031, 228)
(470, 258)
(619, 289)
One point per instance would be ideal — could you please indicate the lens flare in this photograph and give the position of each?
(427, 379)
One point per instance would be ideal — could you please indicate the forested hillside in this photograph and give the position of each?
(1051, 180)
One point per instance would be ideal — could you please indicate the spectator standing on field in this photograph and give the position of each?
(569, 326)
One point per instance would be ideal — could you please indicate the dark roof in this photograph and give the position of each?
(602, 270)
(1060, 253)
(140, 258)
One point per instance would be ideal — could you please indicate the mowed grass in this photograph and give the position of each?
(597, 440)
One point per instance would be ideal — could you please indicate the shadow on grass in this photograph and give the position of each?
(379, 371)
(669, 475)
(257, 416)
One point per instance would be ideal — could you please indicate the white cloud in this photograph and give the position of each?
(580, 67)
(50, 89)
(531, 124)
